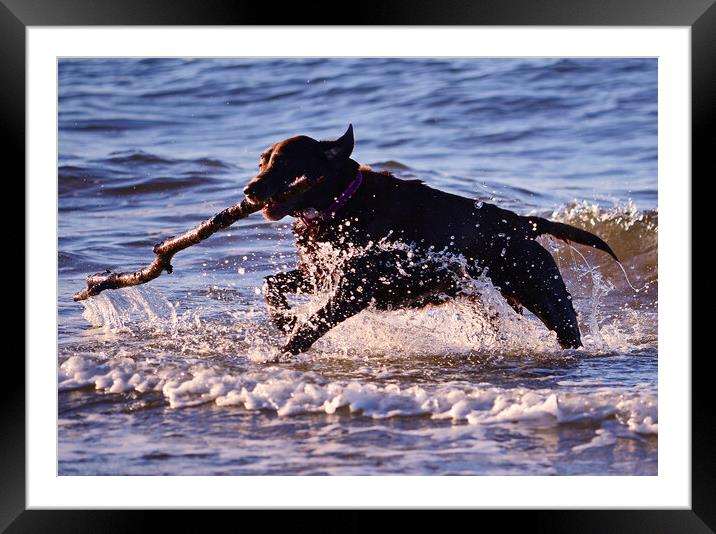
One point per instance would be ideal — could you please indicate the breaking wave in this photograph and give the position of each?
(289, 392)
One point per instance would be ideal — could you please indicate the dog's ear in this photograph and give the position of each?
(341, 149)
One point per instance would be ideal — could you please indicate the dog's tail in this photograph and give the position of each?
(568, 233)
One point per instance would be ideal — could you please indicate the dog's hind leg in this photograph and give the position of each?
(537, 284)
(274, 290)
(555, 310)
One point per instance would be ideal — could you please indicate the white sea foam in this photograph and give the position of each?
(289, 392)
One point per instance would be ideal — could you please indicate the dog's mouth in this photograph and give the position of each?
(286, 202)
(274, 211)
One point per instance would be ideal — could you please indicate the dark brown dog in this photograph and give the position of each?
(355, 209)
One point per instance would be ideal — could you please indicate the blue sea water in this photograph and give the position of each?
(172, 378)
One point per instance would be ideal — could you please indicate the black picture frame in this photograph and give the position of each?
(699, 15)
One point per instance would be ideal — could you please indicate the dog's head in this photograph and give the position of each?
(288, 169)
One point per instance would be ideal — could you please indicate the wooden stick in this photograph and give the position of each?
(96, 283)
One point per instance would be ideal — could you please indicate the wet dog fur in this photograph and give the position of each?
(495, 242)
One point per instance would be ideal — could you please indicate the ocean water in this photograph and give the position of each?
(174, 377)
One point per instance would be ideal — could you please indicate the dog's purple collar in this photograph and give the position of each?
(320, 216)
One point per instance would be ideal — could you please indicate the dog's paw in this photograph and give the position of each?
(293, 348)
(286, 352)
(280, 356)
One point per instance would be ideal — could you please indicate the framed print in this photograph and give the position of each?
(422, 259)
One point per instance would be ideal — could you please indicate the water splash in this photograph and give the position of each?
(479, 321)
(117, 310)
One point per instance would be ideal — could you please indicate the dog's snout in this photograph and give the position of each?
(263, 186)
(250, 194)
(253, 190)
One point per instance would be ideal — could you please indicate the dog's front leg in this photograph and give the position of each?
(349, 299)
(274, 291)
